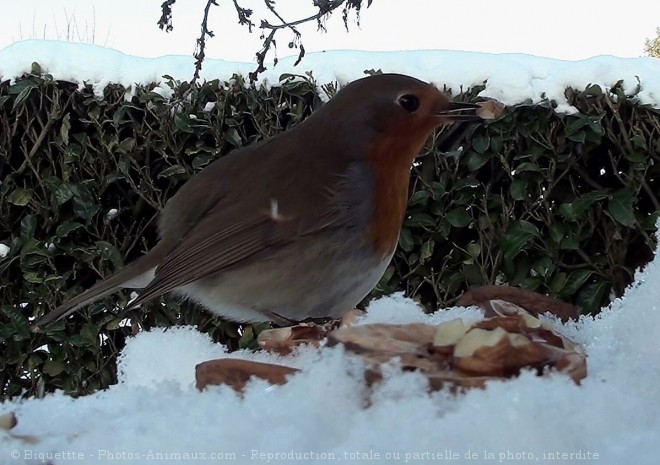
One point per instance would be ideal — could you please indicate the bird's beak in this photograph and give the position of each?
(460, 111)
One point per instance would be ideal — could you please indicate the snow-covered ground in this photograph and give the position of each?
(156, 414)
(321, 415)
(510, 78)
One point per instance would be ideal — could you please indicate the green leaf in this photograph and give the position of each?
(558, 282)
(639, 141)
(89, 334)
(32, 253)
(517, 236)
(579, 136)
(427, 250)
(570, 242)
(174, 171)
(544, 266)
(54, 367)
(406, 241)
(28, 226)
(596, 127)
(420, 220)
(33, 277)
(518, 189)
(21, 85)
(201, 160)
(481, 144)
(594, 90)
(20, 197)
(476, 160)
(439, 188)
(574, 282)
(528, 166)
(535, 150)
(384, 286)
(577, 125)
(23, 94)
(113, 324)
(459, 217)
(109, 252)
(84, 202)
(472, 273)
(575, 210)
(531, 283)
(63, 193)
(497, 144)
(620, 207)
(231, 135)
(65, 228)
(183, 123)
(592, 297)
(454, 281)
(474, 249)
(124, 165)
(649, 221)
(119, 115)
(556, 232)
(247, 339)
(640, 157)
(127, 145)
(419, 198)
(468, 182)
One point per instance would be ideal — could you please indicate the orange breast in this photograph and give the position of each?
(390, 160)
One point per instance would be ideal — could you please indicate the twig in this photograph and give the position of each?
(325, 8)
(200, 49)
(244, 15)
(165, 21)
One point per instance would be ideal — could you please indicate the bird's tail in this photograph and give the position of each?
(136, 275)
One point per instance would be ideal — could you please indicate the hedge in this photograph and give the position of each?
(560, 204)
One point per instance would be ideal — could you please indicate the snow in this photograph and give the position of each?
(325, 412)
(112, 214)
(510, 78)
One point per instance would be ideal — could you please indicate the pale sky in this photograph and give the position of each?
(564, 29)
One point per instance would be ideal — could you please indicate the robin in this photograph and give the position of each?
(300, 225)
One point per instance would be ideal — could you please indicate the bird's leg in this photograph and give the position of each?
(350, 317)
(278, 319)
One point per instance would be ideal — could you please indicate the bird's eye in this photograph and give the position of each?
(409, 102)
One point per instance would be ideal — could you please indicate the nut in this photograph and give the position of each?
(477, 338)
(450, 332)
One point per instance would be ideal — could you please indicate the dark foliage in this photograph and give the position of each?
(564, 205)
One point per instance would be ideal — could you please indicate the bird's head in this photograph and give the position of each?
(389, 101)
(397, 110)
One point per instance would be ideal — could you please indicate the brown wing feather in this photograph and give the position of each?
(208, 249)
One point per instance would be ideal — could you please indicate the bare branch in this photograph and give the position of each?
(200, 48)
(244, 15)
(353, 5)
(165, 21)
(325, 8)
(261, 56)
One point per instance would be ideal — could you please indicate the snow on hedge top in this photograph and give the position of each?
(509, 78)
